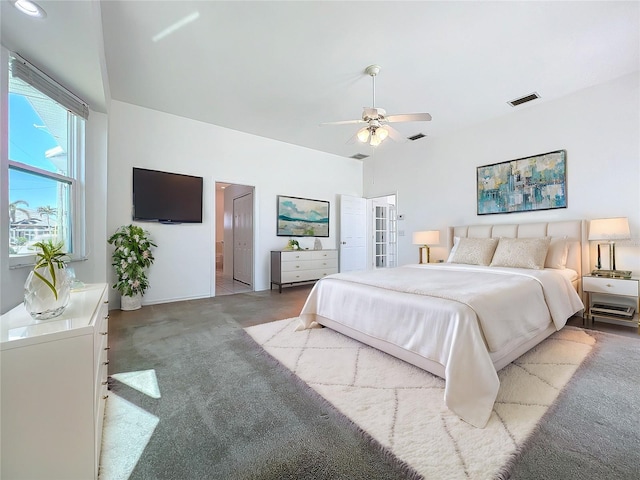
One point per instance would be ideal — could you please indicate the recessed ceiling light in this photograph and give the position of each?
(30, 8)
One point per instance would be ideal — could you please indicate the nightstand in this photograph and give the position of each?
(612, 300)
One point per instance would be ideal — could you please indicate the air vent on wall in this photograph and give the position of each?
(525, 99)
(417, 136)
(359, 156)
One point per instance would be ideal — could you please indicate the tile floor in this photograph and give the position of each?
(226, 285)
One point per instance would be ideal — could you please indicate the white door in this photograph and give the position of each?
(243, 238)
(353, 233)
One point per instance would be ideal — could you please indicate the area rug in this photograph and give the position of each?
(402, 406)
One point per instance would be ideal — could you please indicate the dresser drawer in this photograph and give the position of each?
(299, 276)
(325, 263)
(295, 256)
(324, 254)
(296, 266)
(614, 286)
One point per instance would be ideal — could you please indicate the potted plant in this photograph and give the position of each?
(46, 291)
(131, 257)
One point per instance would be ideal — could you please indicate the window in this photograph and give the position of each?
(46, 163)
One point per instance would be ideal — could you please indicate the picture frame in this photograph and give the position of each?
(525, 184)
(302, 217)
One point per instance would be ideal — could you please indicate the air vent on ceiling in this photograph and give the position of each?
(417, 136)
(525, 99)
(359, 156)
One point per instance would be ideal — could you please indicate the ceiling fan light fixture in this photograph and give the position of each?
(375, 140)
(363, 134)
(382, 133)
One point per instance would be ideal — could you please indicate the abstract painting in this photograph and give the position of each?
(523, 185)
(302, 217)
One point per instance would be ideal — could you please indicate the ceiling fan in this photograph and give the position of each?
(377, 127)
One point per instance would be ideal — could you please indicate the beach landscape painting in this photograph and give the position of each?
(302, 217)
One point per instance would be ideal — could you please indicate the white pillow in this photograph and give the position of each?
(521, 252)
(456, 240)
(557, 253)
(474, 251)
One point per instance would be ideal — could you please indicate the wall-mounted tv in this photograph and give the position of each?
(302, 217)
(166, 197)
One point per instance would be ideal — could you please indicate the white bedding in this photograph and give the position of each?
(454, 315)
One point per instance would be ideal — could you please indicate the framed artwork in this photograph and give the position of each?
(523, 185)
(302, 217)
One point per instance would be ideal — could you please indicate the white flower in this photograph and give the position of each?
(145, 254)
(135, 284)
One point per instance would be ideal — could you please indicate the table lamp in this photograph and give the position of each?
(426, 238)
(609, 230)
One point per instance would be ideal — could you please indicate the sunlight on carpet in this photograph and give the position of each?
(127, 427)
(402, 406)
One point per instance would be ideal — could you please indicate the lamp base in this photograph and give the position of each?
(612, 273)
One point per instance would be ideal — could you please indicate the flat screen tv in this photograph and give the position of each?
(166, 197)
(302, 217)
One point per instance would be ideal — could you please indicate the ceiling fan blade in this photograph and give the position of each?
(409, 117)
(394, 134)
(343, 122)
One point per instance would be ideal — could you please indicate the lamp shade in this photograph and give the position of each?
(427, 237)
(609, 229)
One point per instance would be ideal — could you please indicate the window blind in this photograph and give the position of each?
(23, 70)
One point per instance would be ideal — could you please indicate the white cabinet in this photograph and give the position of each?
(54, 389)
(289, 267)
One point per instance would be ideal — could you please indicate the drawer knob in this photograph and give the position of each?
(107, 348)
(105, 382)
(104, 397)
(297, 266)
(609, 285)
(106, 363)
(104, 333)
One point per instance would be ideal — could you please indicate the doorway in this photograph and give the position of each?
(384, 233)
(234, 238)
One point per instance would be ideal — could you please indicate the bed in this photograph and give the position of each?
(503, 290)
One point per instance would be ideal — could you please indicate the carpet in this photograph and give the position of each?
(193, 397)
(402, 406)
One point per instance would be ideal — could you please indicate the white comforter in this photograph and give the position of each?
(456, 317)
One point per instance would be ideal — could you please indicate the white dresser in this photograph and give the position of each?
(297, 266)
(54, 389)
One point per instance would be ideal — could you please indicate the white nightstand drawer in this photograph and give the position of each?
(614, 286)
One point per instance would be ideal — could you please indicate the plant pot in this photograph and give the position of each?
(40, 301)
(131, 303)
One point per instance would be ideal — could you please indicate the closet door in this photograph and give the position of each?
(243, 239)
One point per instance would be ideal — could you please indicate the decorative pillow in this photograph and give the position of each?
(521, 252)
(475, 251)
(557, 253)
(456, 240)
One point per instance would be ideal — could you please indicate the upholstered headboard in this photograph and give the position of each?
(574, 231)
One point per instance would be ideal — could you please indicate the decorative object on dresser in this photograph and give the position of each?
(302, 217)
(609, 230)
(131, 257)
(426, 238)
(54, 389)
(523, 185)
(301, 266)
(46, 291)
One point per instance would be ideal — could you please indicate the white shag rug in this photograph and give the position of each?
(402, 406)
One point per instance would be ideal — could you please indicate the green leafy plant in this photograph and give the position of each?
(293, 244)
(131, 257)
(49, 255)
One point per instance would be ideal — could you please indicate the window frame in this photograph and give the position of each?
(76, 129)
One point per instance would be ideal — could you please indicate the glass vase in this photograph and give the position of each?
(39, 299)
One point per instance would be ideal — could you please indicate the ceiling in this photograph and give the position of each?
(278, 69)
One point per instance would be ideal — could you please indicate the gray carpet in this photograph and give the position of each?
(593, 430)
(228, 411)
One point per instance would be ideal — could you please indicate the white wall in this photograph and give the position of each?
(599, 127)
(185, 257)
